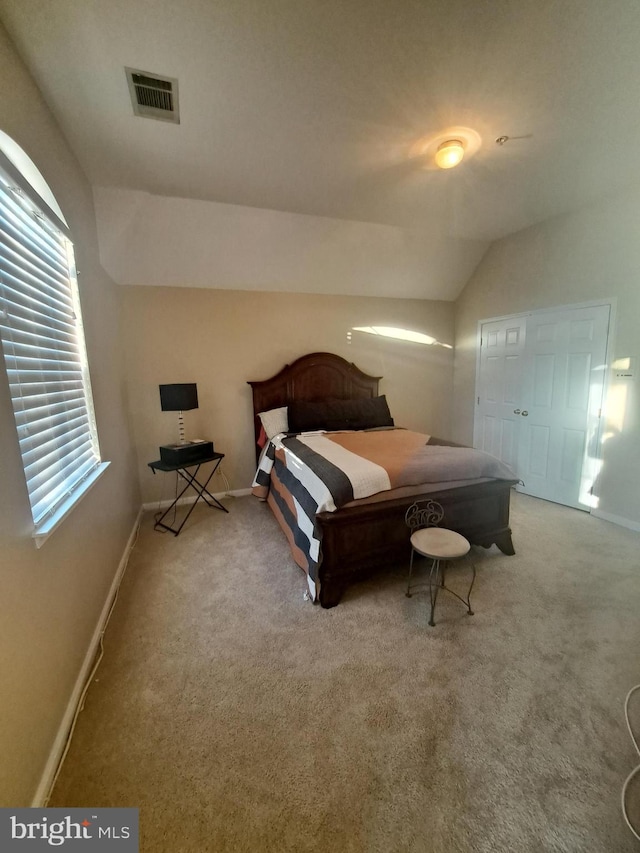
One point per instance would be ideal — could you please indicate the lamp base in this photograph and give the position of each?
(183, 454)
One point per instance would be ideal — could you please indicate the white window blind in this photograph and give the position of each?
(44, 351)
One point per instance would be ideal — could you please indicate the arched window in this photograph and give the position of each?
(43, 343)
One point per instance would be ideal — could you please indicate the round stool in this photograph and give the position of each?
(440, 546)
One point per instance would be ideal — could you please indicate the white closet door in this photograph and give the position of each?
(539, 398)
(561, 401)
(497, 422)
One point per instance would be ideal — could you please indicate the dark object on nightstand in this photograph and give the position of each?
(191, 479)
(186, 454)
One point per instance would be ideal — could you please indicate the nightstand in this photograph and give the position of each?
(191, 479)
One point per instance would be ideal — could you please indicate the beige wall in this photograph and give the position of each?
(222, 338)
(50, 599)
(590, 255)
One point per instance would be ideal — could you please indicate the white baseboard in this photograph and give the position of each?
(51, 767)
(616, 519)
(234, 493)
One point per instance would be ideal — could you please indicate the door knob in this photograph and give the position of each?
(525, 413)
(516, 411)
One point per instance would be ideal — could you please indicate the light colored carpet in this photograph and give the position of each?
(239, 717)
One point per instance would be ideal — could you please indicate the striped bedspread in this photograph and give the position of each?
(306, 474)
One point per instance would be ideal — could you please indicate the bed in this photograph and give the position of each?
(366, 534)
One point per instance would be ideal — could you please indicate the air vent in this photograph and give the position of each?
(153, 96)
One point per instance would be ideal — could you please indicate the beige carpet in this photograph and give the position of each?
(239, 717)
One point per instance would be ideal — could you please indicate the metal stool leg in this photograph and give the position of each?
(433, 589)
(408, 593)
(473, 580)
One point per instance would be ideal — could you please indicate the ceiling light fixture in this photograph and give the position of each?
(449, 153)
(446, 149)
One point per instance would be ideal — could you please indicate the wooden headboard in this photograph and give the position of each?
(317, 376)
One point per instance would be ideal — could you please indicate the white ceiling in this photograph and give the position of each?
(318, 106)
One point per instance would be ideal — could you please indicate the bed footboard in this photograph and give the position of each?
(359, 540)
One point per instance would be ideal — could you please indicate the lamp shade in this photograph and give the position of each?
(179, 397)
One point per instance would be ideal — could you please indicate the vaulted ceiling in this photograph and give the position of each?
(323, 107)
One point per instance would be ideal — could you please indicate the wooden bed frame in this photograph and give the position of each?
(358, 540)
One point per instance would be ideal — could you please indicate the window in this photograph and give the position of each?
(43, 346)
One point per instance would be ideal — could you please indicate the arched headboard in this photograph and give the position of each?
(317, 376)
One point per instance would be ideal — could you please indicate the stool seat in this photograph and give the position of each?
(439, 543)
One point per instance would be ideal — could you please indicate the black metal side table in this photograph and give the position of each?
(191, 479)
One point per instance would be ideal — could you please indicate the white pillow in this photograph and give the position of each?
(275, 421)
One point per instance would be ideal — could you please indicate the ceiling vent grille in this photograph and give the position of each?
(153, 96)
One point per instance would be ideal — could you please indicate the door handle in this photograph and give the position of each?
(516, 411)
(525, 413)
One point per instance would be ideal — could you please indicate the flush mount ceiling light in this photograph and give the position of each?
(445, 149)
(449, 153)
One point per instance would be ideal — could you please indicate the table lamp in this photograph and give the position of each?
(179, 397)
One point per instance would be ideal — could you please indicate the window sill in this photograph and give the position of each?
(44, 530)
